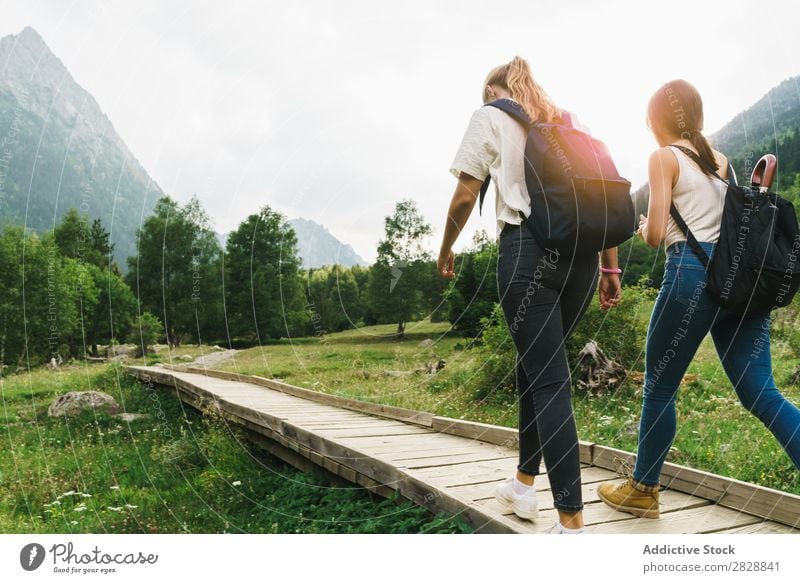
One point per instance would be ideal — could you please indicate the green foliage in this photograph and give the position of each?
(264, 294)
(145, 331)
(640, 263)
(619, 332)
(400, 281)
(472, 294)
(334, 298)
(176, 274)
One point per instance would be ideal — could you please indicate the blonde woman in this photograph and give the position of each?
(543, 295)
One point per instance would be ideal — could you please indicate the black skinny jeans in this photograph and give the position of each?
(543, 296)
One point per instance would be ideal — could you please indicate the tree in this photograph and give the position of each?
(90, 244)
(471, 295)
(263, 288)
(396, 293)
(334, 298)
(174, 272)
(115, 311)
(145, 332)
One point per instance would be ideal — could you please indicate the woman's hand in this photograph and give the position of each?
(446, 263)
(642, 227)
(609, 290)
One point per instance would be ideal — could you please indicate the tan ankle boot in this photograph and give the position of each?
(630, 496)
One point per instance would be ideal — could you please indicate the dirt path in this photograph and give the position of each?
(212, 359)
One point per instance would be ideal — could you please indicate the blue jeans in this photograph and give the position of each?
(544, 296)
(682, 316)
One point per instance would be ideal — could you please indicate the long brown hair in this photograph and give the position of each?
(516, 78)
(677, 109)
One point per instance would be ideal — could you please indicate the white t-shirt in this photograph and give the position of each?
(494, 143)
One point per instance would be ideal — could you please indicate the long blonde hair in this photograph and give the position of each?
(516, 78)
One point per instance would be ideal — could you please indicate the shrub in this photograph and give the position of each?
(620, 333)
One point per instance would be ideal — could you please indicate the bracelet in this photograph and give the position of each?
(610, 270)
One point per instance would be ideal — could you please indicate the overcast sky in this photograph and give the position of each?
(335, 111)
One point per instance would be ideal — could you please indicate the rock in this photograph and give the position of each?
(74, 402)
(427, 343)
(131, 416)
(598, 373)
(121, 349)
(217, 347)
(185, 357)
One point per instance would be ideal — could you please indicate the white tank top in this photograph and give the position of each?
(699, 198)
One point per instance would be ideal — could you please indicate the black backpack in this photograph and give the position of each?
(754, 267)
(579, 202)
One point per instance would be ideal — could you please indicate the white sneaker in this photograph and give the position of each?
(558, 529)
(525, 506)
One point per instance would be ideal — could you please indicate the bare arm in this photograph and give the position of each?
(461, 205)
(662, 170)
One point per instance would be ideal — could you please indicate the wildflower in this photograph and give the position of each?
(131, 506)
(115, 487)
(237, 483)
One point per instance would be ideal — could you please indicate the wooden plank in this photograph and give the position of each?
(467, 473)
(591, 477)
(408, 415)
(764, 527)
(378, 446)
(758, 500)
(371, 431)
(448, 459)
(710, 518)
(476, 472)
(470, 457)
(596, 511)
(497, 434)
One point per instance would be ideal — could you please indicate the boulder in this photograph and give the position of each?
(427, 343)
(73, 402)
(121, 350)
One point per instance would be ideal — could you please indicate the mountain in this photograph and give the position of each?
(59, 150)
(318, 247)
(771, 125)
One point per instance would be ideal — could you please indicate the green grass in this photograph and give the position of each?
(178, 471)
(715, 433)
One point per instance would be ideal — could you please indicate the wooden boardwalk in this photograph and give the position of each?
(450, 465)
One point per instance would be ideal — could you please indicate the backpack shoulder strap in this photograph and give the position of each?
(690, 238)
(515, 110)
(700, 162)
